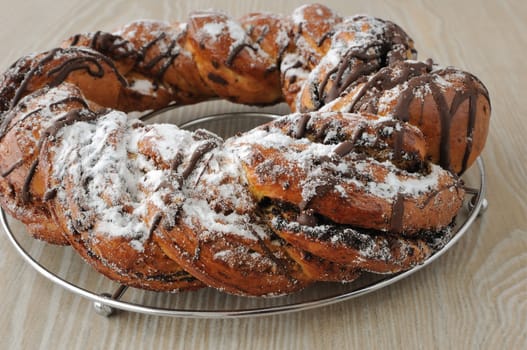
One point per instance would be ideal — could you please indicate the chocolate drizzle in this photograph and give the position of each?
(62, 71)
(24, 195)
(75, 40)
(398, 142)
(382, 49)
(385, 79)
(155, 222)
(396, 221)
(69, 99)
(327, 35)
(470, 131)
(4, 127)
(12, 167)
(446, 112)
(307, 215)
(111, 45)
(344, 148)
(301, 126)
(196, 156)
(168, 55)
(143, 50)
(416, 76)
(263, 33)
(162, 55)
(67, 119)
(50, 194)
(29, 75)
(217, 79)
(79, 59)
(348, 70)
(235, 50)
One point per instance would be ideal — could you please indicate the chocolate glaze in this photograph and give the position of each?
(29, 75)
(320, 134)
(301, 126)
(143, 50)
(327, 35)
(4, 127)
(119, 48)
(11, 79)
(12, 167)
(166, 65)
(162, 55)
(470, 131)
(344, 148)
(50, 194)
(217, 79)
(389, 47)
(48, 132)
(416, 75)
(384, 80)
(78, 63)
(235, 50)
(169, 55)
(196, 156)
(24, 195)
(396, 221)
(155, 222)
(62, 71)
(67, 119)
(263, 33)
(110, 44)
(70, 99)
(349, 63)
(75, 40)
(176, 162)
(306, 216)
(81, 60)
(398, 143)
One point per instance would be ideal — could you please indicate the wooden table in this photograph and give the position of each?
(475, 296)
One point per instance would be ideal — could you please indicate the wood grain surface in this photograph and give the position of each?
(473, 297)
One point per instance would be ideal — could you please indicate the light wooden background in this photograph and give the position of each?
(473, 297)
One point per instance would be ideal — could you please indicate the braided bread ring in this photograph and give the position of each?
(57, 126)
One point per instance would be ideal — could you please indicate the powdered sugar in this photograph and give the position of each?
(97, 168)
(143, 86)
(167, 140)
(214, 223)
(393, 184)
(213, 30)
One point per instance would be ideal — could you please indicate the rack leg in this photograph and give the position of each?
(106, 310)
(484, 206)
(484, 203)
